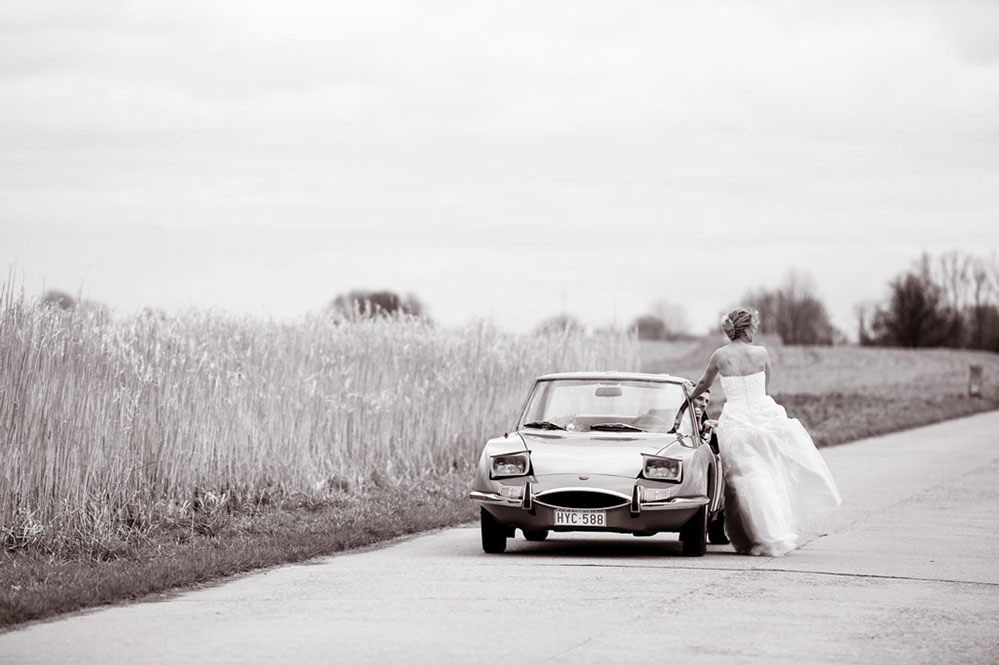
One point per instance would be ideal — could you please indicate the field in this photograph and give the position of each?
(844, 393)
(143, 453)
(822, 370)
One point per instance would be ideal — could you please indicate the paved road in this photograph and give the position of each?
(906, 572)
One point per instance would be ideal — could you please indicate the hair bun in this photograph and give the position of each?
(727, 326)
(738, 321)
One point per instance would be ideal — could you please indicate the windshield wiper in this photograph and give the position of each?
(543, 424)
(616, 427)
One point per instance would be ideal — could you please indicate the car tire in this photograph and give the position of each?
(493, 533)
(694, 534)
(536, 536)
(716, 530)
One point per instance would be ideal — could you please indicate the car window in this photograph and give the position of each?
(585, 405)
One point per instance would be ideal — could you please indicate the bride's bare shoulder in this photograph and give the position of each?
(720, 358)
(720, 352)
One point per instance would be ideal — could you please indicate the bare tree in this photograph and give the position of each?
(953, 275)
(991, 267)
(980, 301)
(803, 317)
(649, 326)
(767, 304)
(794, 311)
(674, 318)
(361, 303)
(666, 321)
(60, 299)
(559, 324)
(865, 313)
(916, 314)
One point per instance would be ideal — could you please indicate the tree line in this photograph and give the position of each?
(793, 311)
(949, 300)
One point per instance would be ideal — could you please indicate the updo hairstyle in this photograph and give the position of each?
(738, 321)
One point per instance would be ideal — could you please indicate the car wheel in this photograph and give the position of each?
(493, 533)
(694, 535)
(716, 530)
(536, 536)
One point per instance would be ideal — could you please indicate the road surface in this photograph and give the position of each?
(906, 572)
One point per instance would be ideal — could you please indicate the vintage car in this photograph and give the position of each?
(593, 451)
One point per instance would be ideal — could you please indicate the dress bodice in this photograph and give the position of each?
(748, 390)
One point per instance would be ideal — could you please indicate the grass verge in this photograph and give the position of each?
(37, 583)
(835, 418)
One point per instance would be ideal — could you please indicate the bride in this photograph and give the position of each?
(775, 479)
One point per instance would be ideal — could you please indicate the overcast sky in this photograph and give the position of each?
(501, 159)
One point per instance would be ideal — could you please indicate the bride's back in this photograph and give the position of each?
(741, 359)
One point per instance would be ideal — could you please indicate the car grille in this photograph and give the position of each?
(581, 500)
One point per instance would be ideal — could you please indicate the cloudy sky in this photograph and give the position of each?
(503, 159)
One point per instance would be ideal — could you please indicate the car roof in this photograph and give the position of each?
(611, 376)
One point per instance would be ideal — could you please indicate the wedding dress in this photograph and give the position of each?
(776, 481)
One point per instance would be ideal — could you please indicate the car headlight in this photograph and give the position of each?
(662, 468)
(510, 465)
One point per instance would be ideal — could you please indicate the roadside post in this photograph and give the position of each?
(975, 381)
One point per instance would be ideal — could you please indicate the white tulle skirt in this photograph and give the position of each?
(775, 479)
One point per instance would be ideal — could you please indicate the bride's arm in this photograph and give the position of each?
(709, 377)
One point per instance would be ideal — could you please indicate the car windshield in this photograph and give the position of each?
(583, 405)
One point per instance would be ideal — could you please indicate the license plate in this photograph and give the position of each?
(580, 518)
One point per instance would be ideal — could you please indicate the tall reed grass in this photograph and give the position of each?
(106, 420)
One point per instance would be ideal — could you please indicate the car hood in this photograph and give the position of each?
(610, 454)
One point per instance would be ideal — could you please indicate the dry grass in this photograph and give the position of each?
(114, 426)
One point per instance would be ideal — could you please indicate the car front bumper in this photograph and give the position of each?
(669, 515)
